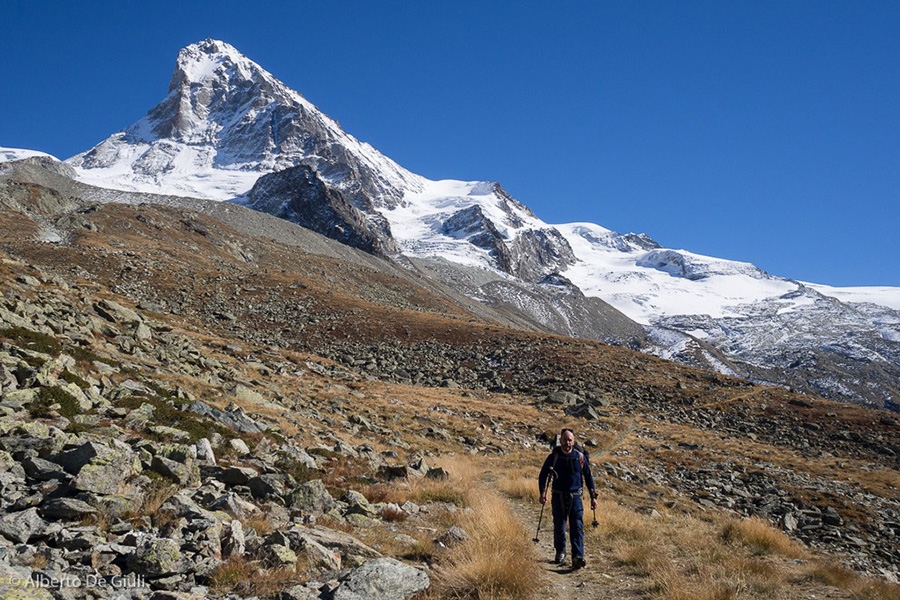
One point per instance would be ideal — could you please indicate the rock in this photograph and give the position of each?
(170, 433)
(66, 508)
(453, 537)
(233, 543)
(382, 578)
(239, 446)
(246, 394)
(158, 557)
(437, 474)
(22, 526)
(205, 452)
(233, 505)
(564, 398)
(321, 558)
(312, 498)
(300, 592)
(345, 544)
(230, 475)
(357, 503)
(181, 505)
(183, 474)
(277, 555)
(268, 485)
(43, 470)
(235, 418)
(15, 585)
(98, 468)
(115, 312)
(789, 522)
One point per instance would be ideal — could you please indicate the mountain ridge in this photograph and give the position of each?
(259, 126)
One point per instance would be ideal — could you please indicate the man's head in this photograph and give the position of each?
(567, 440)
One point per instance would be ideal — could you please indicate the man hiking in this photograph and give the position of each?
(566, 467)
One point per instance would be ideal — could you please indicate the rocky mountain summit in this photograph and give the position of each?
(199, 400)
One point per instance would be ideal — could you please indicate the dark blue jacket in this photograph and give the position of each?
(569, 471)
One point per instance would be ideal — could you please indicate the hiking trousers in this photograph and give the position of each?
(568, 509)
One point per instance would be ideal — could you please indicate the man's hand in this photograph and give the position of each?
(593, 503)
(543, 498)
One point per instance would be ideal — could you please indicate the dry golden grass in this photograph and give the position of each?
(620, 523)
(464, 474)
(259, 523)
(681, 557)
(859, 587)
(519, 487)
(761, 538)
(497, 562)
(155, 496)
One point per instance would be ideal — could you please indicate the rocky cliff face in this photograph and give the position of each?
(300, 196)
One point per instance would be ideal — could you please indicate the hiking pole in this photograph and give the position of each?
(596, 523)
(541, 517)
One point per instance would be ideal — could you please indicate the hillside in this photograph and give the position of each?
(189, 402)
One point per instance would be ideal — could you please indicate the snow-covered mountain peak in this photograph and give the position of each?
(214, 59)
(225, 122)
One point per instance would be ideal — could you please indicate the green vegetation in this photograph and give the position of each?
(32, 340)
(50, 396)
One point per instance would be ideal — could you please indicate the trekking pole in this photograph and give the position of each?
(596, 523)
(541, 517)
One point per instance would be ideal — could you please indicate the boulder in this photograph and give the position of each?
(158, 557)
(382, 578)
(312, 498)
(22, 526)
(66, 508)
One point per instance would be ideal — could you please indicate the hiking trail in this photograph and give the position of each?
(603, 577)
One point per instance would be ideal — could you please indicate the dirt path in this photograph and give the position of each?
(601, 578)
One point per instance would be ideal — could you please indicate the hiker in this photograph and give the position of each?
(566, 467)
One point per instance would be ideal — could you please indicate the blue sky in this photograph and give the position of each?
(767, 132)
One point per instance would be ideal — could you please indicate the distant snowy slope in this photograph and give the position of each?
(647, 282)
(11, 154)
(883, 296)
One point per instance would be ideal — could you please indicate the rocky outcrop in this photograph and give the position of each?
(300, 196)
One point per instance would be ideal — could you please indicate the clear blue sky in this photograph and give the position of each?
(762, 131)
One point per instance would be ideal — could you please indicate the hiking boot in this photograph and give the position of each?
(578, 562)
(560, 558)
